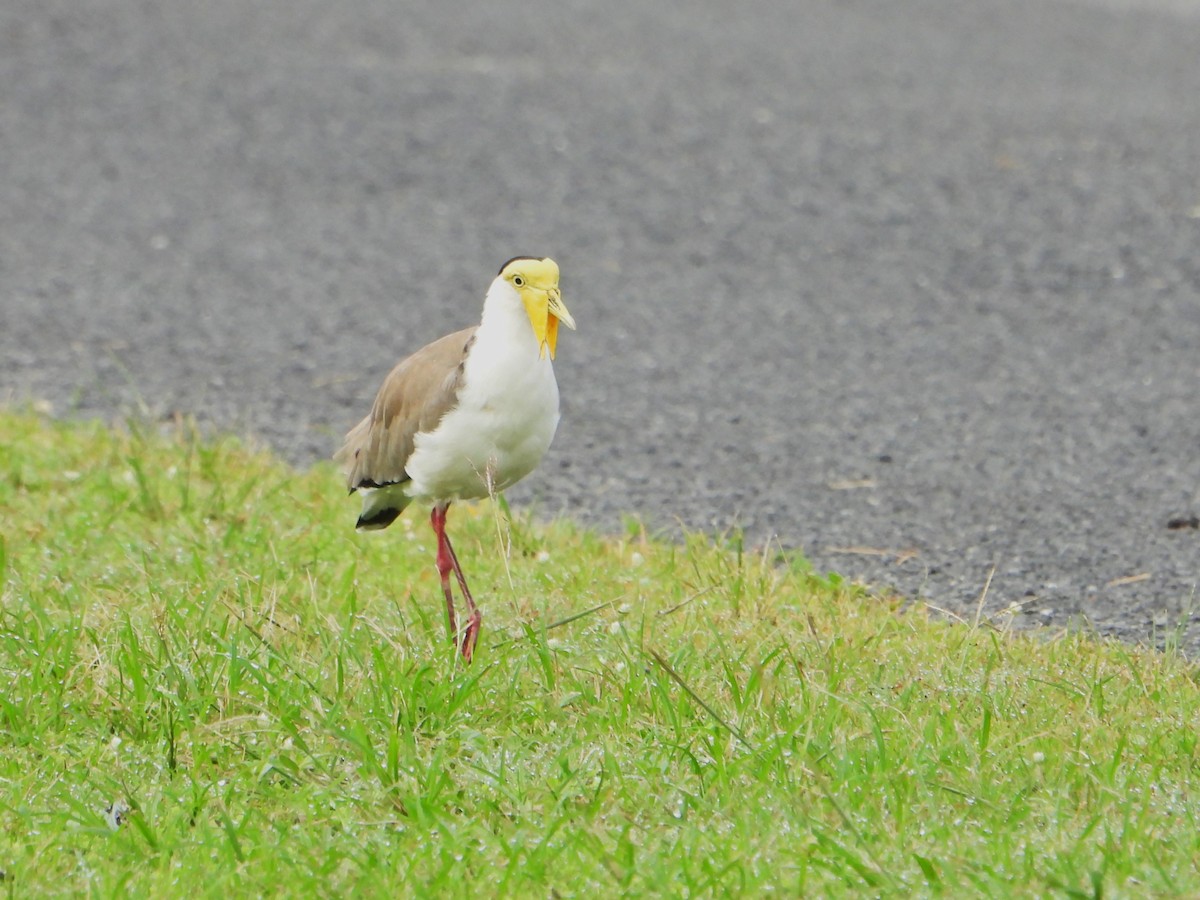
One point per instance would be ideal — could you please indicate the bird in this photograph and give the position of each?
(463, 418)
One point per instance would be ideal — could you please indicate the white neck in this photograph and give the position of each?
(505, 319)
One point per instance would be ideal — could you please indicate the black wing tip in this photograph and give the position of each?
(378, 520)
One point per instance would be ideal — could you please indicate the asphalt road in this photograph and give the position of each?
(913, 287)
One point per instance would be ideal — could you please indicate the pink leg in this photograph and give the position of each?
(447, 562)
(445, 565)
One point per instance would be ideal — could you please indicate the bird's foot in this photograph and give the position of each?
(471, 635)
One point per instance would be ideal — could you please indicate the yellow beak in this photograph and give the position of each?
(546, 310)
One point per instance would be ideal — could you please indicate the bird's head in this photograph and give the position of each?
(536, 283)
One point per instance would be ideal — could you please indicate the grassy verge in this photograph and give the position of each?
(194, 641)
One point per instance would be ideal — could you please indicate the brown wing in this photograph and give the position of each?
(414, 397)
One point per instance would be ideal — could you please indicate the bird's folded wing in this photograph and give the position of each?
(414, 397)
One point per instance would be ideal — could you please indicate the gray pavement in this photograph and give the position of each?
(913, 287)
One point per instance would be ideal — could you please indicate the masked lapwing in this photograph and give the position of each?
(464, 418)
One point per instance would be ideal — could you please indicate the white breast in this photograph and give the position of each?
(505, 417)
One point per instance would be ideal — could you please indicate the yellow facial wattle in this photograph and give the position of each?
(536, 281)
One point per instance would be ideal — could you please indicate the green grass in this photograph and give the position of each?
(194, 630)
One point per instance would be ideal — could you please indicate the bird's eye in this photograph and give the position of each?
(518, 281)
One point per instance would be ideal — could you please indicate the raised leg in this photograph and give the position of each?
(474, 616)
(447, 562)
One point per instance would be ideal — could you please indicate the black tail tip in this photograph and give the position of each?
(377, 520)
